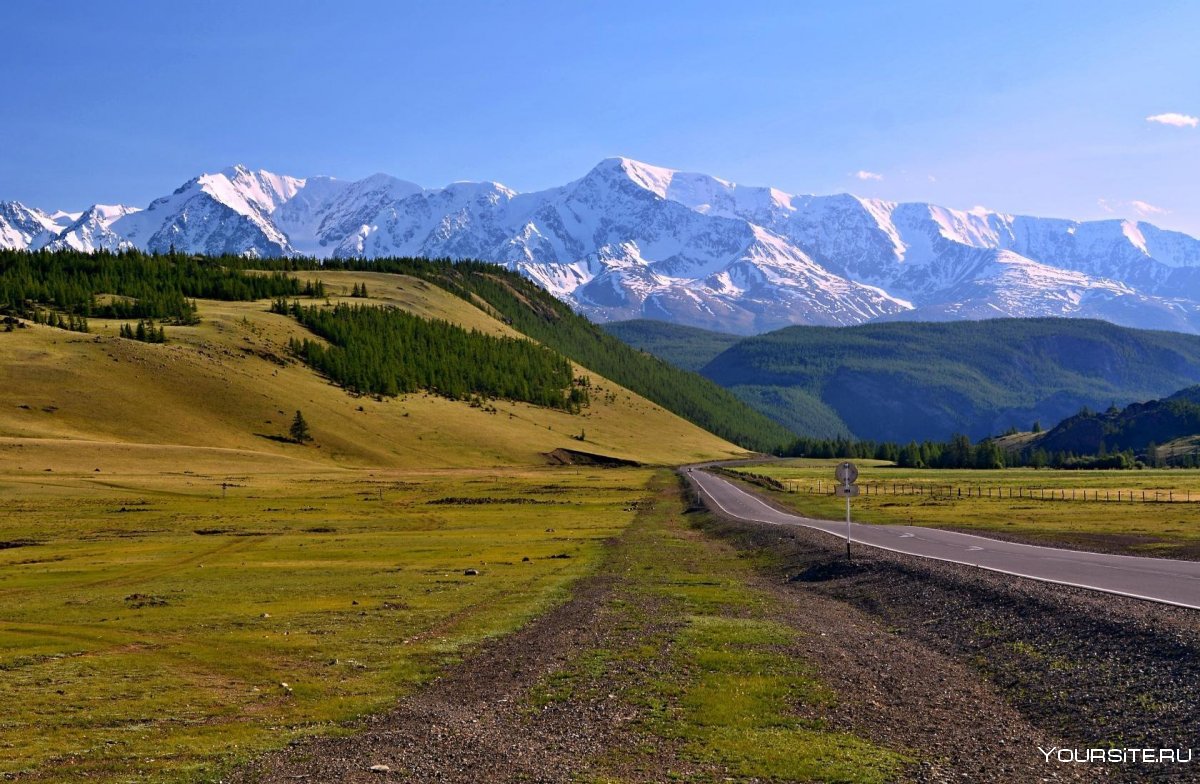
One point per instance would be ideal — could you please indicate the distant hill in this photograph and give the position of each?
(905, 380)
(690, 348)
(1135, 427)
(227, 376)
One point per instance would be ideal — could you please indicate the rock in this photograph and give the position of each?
(380, 769)
(471, 572)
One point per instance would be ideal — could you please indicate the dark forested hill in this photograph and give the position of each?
(690, 348)
(1138, 427)
(904, 380)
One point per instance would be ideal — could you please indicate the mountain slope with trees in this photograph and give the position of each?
(226, 379)
(690, 348)
(1143, 428)
(533, 311)
(928, 381)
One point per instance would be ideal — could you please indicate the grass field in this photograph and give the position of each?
(1043, 509)
(147, 624)
(168, 560)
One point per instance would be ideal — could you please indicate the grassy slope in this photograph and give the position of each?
(902, 381)
(540, 315)
(1135, 528)
(220, 384)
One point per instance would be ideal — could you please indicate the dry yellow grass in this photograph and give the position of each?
(227, 383)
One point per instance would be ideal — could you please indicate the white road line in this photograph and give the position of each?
(804, 521)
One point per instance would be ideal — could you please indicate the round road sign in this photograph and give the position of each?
(846, 472)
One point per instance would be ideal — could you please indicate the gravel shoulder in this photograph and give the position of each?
(1089, 669)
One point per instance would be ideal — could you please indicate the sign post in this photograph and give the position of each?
(847, 473)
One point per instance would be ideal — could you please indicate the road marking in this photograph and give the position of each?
(809, 523)
(973, 548)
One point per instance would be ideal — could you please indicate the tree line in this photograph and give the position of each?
(144, 332)
(131, 284)
(959, 452)
(386, 351)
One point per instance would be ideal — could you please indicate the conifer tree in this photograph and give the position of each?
(299, 429)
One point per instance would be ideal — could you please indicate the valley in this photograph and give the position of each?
(183, 586)
(192, 594)
(599, 393)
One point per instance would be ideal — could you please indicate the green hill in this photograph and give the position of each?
(1140, 427)
(906, 380)
(690, 348)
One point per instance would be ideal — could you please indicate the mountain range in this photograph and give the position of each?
(630, 240)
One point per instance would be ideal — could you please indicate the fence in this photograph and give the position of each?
(954, 492)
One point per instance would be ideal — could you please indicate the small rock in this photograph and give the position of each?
(380, 769)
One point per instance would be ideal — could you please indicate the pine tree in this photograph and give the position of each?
(299, 429)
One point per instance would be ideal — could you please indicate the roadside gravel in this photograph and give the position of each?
(1088, 669)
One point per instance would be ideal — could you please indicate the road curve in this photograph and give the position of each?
(1154, 579)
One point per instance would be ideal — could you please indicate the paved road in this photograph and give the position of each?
(1156, 579)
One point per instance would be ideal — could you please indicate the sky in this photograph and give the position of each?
(1024, 107)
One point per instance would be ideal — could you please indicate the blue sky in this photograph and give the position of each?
(1027, 107)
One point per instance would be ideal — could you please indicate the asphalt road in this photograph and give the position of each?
(1155, 579)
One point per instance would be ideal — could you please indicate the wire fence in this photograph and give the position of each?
(997, 492)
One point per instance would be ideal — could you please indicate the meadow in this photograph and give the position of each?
(1074, 508)
(182, 586)
(161, 626)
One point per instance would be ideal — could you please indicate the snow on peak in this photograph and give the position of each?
(630, 239)
(250, 192)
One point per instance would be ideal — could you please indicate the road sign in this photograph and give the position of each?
(847, 474)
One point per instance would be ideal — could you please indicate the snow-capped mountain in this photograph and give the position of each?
(631, 240)
(92, 230)
(25, 228)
